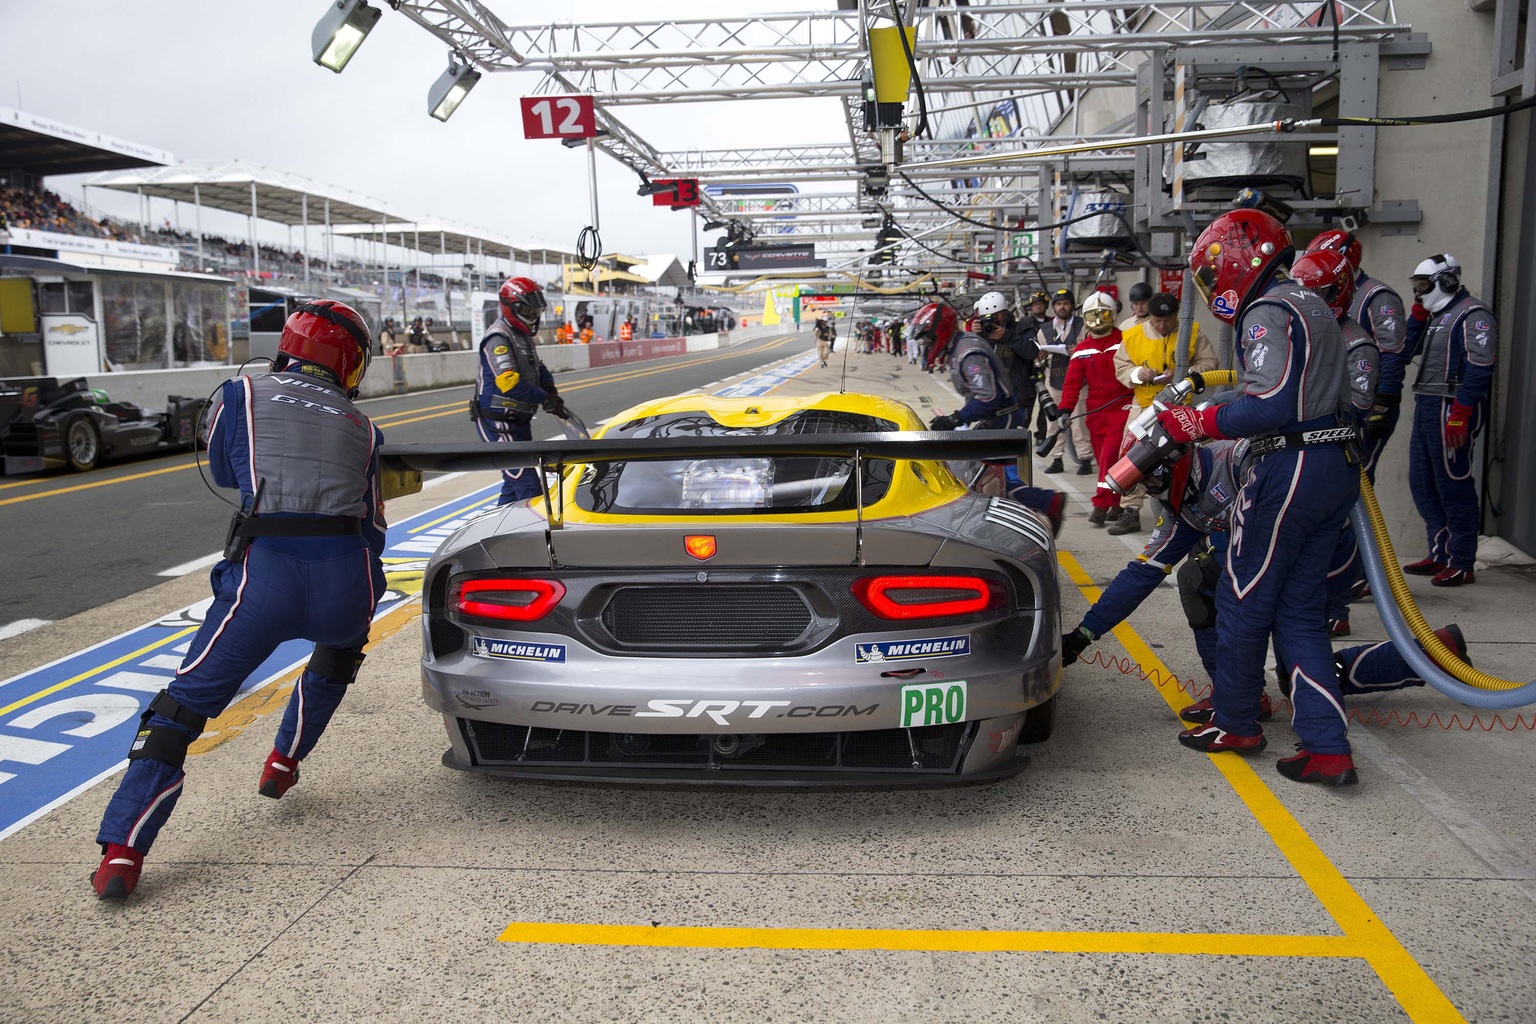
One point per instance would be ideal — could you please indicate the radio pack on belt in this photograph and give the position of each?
(245, 525)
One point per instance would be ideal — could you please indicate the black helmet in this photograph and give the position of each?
(1064, 293)
(1141, 291)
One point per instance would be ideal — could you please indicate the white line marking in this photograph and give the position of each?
(1505, 859)
(21, 626)
(190, 567)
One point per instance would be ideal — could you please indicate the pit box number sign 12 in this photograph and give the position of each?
(558, 117)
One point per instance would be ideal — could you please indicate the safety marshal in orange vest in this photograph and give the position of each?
(627, 330)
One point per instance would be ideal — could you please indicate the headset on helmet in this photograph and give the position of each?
(1039, 297)
(329, 334)
(1235, 256)
(1329, 273)
(1099, 313)
(522, 300)
(1436, 281)
(1340, 241)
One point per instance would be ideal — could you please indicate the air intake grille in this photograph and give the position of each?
(741, 617)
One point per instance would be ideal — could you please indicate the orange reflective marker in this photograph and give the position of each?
(700, 545)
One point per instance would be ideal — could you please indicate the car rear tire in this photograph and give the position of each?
(1038, 722)
(82, 442)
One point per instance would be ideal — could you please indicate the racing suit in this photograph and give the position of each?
(1092, 364)
(1363, 360)
(510, 385)
(1057, 339)
(1293, 396)
(978, 376)
(1380, 312)
(1191, 536)
(305, 462)
(1459, 345)
(1018, 351)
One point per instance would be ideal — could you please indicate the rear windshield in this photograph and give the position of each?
(736, 485)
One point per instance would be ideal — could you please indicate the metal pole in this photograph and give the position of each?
(255, 247)
(304, 212)
(330, 245)
(592, 182)
(417, 234)
(197, 202)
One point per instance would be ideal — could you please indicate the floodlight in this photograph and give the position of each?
(450, 89)
(340, 31)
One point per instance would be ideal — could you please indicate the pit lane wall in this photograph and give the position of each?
(398, 374)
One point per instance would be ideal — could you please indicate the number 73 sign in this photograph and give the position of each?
(558, 117)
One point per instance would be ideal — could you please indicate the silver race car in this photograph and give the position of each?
(744, 591)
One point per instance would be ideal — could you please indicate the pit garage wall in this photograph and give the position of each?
(1512, 478)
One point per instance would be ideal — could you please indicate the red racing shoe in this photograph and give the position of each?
(1453, 578)
(1203, 711)
(1424, 567)
(1054, 510)
(118, 873)
(1210, 740)
(1328, 769)
(1338, 627)
(278, 775)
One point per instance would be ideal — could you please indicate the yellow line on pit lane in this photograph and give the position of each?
(98, 483)
(943, 940)
(56, 687)
(444, 519)
(1370, 938)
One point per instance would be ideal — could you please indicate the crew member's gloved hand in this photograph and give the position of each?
(943, 423)
(1418, 312)
(1073, 644)
(555, 405)
(1064, 413)
(1186, 425)
(1378, 422)
(1458, 425)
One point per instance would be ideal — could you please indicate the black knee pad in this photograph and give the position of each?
(162, 742)
(1195, 593)
(336, 664)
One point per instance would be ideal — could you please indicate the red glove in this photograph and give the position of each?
(1185, 424)
(1458, 425)
(1418, 312)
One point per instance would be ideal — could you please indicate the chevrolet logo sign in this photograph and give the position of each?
(68, 329)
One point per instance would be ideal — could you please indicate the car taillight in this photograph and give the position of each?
(928, 597)
(511, 600)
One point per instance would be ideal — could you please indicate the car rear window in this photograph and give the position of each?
(731, 485)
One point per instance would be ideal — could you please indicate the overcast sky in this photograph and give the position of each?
(213, 80)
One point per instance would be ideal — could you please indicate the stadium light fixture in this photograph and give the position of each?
(341, 31)
(450, 89)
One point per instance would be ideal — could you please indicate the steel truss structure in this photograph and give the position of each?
(1001, 80)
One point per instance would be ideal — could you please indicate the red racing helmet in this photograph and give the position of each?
(330, 334)
(1327, 272)
(938, 323)
(1342, 242)
(522, 300)
(1234, 256)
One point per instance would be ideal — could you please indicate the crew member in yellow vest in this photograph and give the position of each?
(1145, 363)
(627, 330)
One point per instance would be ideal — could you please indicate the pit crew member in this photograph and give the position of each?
(512, 383)
(1108, 401)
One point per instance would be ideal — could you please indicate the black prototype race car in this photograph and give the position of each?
(46, 425)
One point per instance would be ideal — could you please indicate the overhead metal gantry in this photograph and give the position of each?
(1042, 58)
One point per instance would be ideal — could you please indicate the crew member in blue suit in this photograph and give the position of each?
(1293, 404)
(303, 562)
(1459, 338)
(979, 377)
(512, 383)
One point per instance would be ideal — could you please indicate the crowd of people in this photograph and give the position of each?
(43, 210)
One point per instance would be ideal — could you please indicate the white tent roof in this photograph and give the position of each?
(446, 237)
(279, 196)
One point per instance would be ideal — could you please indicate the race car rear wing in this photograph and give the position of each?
(402, 465)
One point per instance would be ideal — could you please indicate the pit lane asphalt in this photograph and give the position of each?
(73, 541)
(1119, 877)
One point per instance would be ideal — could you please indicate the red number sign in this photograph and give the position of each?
(558, 117)
(679, 192)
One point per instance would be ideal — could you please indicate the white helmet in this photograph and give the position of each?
(1099, 313)
(991, 303)
(1436, 281)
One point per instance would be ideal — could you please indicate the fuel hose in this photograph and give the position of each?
(1429, 658)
